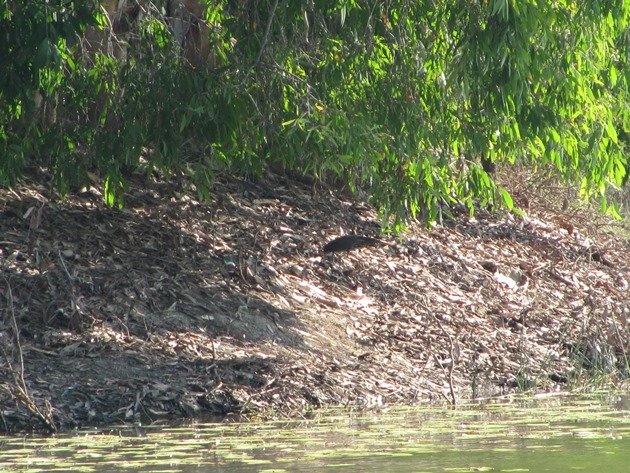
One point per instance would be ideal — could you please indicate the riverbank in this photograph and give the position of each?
(171, 308)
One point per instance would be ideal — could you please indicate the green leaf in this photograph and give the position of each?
(507, 198)
(611, 132)
(44, 53)
(110, 194)
(612, 74)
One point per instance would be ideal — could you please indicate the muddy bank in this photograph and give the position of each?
(172, 308)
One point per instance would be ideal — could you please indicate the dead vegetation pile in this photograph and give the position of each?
(171, 308)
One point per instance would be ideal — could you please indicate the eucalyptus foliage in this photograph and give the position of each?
(400, 100)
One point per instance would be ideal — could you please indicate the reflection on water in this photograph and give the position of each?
(552, 434)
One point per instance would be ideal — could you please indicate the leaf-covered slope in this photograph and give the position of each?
(173, 308)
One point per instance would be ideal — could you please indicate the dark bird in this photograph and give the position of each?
(349, 242)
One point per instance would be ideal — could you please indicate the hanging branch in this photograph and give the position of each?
(267, 33)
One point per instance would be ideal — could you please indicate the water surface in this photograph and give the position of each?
(557, 434)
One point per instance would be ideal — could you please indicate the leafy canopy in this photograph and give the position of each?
(407, 101)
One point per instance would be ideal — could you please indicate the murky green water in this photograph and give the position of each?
(555, 434)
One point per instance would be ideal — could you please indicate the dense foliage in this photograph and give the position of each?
(408, 102)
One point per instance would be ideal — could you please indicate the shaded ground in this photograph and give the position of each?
(139, 314)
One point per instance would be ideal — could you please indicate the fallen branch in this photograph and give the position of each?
(453, 352)
(18, 390)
